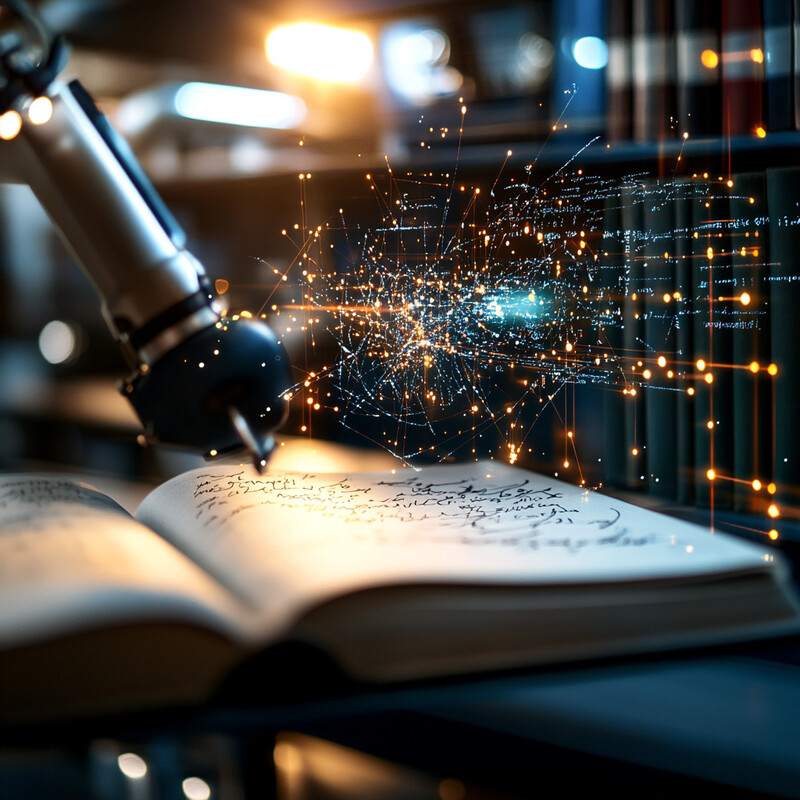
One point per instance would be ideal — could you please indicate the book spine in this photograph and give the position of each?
(703, 240)
(632, 336)
(619, 77)
(742, 67)
(683, 366)
(783, 196)
(721, 292)
(752, 400)
(778, 64)
(697, 70)
(613, 281)
(658, 302)
(796, 61)
(653, 71)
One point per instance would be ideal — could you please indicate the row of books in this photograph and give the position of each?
(711, 68)
(708, 412)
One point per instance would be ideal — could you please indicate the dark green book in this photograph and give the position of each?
(683, 363)
(752, 398)
(722, 323)
(614, 277)
(710, 270)
(659, 332)
(783, 196)
(632, 335)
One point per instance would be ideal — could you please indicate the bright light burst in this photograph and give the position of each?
(464, 312)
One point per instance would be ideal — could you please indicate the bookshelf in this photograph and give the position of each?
(640, 117)
(721, 73)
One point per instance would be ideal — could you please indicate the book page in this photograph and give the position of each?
(285, 538)
(72, 559)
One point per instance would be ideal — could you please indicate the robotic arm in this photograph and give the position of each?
(200, 380)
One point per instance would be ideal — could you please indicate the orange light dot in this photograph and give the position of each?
(676, 295)
(662, 362)
(773, 511)
(710, 253)
(635, 451)
(647, 374)
(709, 378)
(40, 110)
(772, 488)
(710, 474)
(761, 132)
(670, 373)
(10, 125)
(730, 184)
(710, 424)
(773, 534)
(633, 392)
(772, 369)
(754, 367)
(566, 465)
(690, 391)
(709, 59)
(757, 485)
(666, 297)
(757, 55)
(701, 365)
(744, 299)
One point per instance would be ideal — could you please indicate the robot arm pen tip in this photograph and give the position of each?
(259, 449)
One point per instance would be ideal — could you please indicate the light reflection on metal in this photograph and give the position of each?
(10, 125)
(40, 110)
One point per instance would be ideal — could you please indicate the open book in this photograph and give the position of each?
(396, 575)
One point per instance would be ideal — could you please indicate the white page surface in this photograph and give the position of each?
(70, 559)
(287, 538)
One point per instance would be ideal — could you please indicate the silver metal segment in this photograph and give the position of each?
(136, 268)
(171, 337)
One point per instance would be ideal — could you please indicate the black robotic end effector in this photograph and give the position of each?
(201, 381)
(219, 389)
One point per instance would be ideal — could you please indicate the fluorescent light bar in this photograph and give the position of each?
(237, 105)
(320, 51)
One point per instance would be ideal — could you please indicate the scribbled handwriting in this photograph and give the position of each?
(518, 512)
